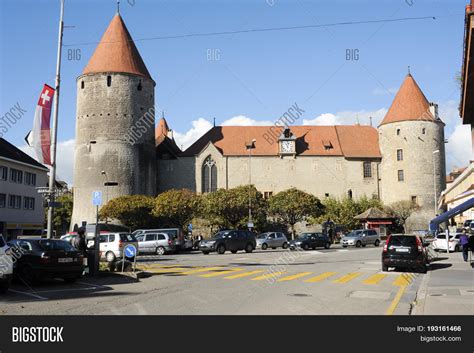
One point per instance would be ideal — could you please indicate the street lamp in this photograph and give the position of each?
(250, 147)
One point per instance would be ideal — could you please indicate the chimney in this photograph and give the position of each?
(434, 110)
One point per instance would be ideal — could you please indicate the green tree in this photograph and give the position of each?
(62, 214)
(230, 208)
(343, 211)
(133, 211)
(402, 210)
(292, 206)
(177, 207)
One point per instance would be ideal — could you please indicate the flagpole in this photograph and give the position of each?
(52, 174)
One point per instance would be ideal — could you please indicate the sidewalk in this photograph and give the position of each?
(448, 288)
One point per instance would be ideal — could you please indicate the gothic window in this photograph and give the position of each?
(367, 170)
(209, 175)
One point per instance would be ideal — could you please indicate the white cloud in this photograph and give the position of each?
(348, 118)
(459, 147)
(65, 159)
(199, 128)
(241, 120)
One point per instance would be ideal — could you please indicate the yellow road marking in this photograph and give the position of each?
(402, 280)
(244, 274)
(165, 270)
(220, 273)
(396, 300)
(292, 277)
(375, 279)
(348, 277)
(320, 277)
(268, 275)
(190, 272)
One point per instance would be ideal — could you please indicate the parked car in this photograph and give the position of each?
(440, 242)
(176, 234)
(6, 266)
(467, 223)
(157, 243)
(306, 241)
(46, 258)
(69, 237)
(272, 240)
(361, 237)
(404, 251)
(113, 244)
(233, 240)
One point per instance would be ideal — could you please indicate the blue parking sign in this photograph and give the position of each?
(97, 198)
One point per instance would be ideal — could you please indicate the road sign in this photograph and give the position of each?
(190, 227)
(130, 251)
(250, 225)
(97, 198)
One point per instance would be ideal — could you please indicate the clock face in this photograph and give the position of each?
(287, 146)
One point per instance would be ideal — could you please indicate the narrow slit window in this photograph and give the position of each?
(109, 81)
(82, 84)
(139, 87)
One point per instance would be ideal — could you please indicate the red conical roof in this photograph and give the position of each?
(162, 128)
(409, 104)
(117, 52)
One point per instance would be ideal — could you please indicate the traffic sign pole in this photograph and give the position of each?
(96, 201)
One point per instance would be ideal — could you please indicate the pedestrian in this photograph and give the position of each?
(80, 242)
(464, 241)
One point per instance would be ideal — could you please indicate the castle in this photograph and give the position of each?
(116, 139)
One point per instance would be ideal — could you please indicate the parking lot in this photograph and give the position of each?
(332, 281)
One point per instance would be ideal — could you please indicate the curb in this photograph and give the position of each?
(419, 303)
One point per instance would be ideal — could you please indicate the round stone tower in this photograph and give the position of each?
(413, 167)
(115, 123)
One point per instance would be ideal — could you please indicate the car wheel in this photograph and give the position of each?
(384, 268)
(364, 245)
(273, 248)
(27, 275)
(305, 247)
(234, 251)
(344, 246)
(285, 245)
(313, 247)
(423, 269)
(358, 244)
(4, 286)
(205, 252)
(377, 242)
(248, 248)
(110, 256)
(221, 249)
(327, 245)
(160, 250)
(264, 246)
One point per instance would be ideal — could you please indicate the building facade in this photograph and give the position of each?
(21, 206)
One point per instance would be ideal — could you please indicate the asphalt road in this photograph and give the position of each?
(316, 282)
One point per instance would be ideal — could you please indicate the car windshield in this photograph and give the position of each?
(402, 241)
(304, 235)
(354, 233)
(56, 245)
(222, 234)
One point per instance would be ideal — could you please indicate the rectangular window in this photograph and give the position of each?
(400, 155)
(414, 200)
(29, 203)
(30, 179)
(3, 173)
(14, 201)
(401, 175)
(3, 200)
(267, 194)
(367, 170)
(16, 176)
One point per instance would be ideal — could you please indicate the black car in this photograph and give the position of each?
(404, 251)
(308, 241)
(233, 240)
(46, 258)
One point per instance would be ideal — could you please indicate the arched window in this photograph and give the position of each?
(209, 175)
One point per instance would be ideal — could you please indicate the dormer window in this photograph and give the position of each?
(287, 142)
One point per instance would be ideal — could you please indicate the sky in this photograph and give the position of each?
(338, 74)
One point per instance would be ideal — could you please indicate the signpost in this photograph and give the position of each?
(130, 251)
(96, 201)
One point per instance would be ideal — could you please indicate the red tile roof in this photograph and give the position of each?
(162, 129)
(117, 52)
(353, 141)
(409, 104)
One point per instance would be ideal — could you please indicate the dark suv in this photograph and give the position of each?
(310, 240)
(404, 251)
(233, 240)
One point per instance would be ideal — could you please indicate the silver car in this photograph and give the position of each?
(272, 240)
(155, 243)
(360, 238)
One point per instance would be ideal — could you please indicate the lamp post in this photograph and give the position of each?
(250, 147)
